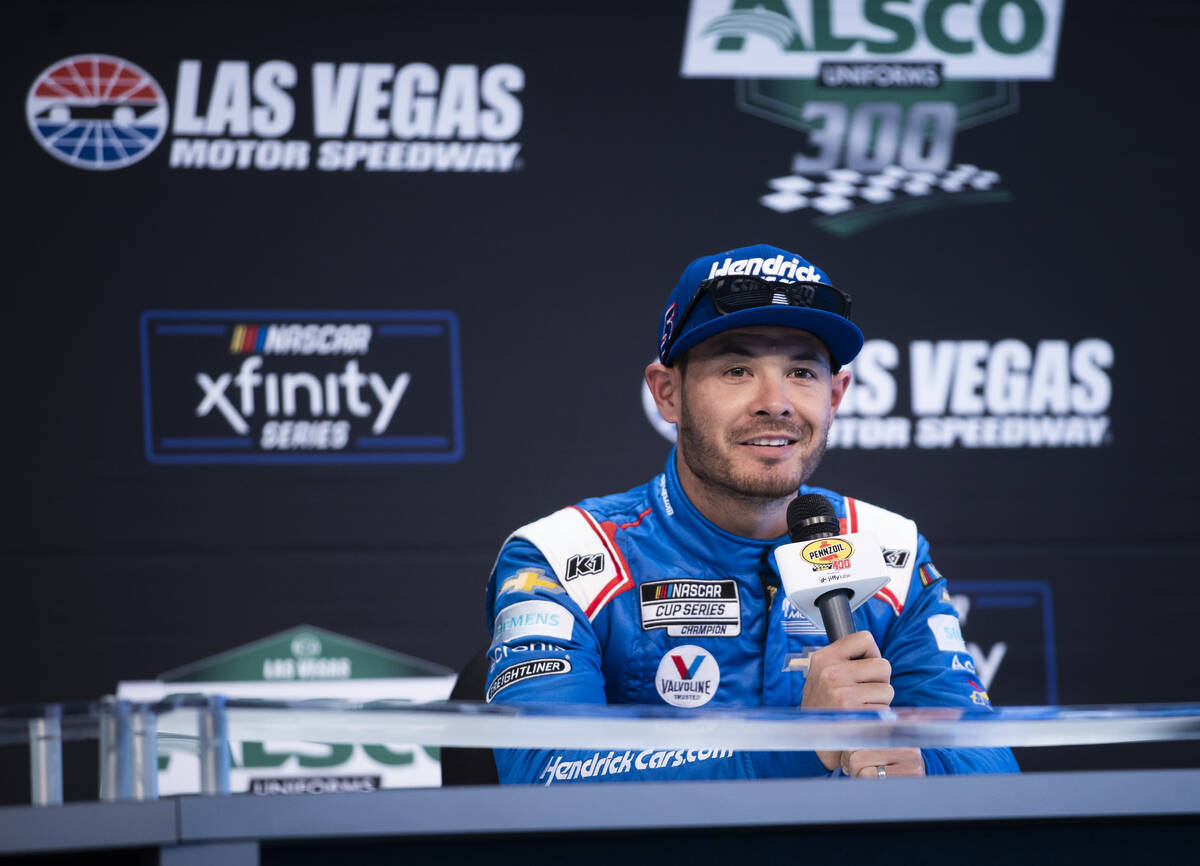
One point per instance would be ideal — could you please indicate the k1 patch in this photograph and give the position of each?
(526, 671)
(692, 608)
(581, 565)
(688, 676)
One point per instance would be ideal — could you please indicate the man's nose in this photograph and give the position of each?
(772, 397)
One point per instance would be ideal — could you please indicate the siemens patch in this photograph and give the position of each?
(532, 619)
(947, 633)
(692, 608)
(526, 671)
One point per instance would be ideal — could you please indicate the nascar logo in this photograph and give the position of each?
(327, 339)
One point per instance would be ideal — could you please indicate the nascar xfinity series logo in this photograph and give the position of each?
(287, 386)
(878, 93)
(969, 394)
(97, 111)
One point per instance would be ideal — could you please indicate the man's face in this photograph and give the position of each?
(755, 405)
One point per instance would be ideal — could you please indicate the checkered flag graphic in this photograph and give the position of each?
(842, 189)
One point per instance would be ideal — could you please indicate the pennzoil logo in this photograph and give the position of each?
(826, 552)
(878, 94)
(292, 386)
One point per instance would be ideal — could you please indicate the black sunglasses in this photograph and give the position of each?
(733, 293)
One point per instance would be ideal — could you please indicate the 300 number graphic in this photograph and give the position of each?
(876, 135)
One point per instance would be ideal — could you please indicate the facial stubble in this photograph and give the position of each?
(703, 456)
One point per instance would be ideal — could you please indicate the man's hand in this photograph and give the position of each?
(895, 762)
(849, 674)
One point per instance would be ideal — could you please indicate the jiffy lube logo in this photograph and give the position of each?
(102, 112)
(877, 93)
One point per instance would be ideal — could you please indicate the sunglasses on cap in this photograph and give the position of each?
(730, 294)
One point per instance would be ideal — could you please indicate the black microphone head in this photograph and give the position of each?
(810, 517)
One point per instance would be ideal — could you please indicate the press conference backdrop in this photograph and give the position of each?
(314, 303)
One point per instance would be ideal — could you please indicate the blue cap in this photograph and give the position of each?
(841, 336)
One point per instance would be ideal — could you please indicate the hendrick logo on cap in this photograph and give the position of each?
(777, 268)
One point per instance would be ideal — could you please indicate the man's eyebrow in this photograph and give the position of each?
(732, 347)
(743, 349)
(811, 355)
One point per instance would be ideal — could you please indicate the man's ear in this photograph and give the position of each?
(841, 381)
(665, 385)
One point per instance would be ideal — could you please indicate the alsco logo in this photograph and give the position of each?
(827, 551)
(966, 39)
(878, 93)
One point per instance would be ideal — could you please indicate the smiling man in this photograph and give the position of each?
(668, 593)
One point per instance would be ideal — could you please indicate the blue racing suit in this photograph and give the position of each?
(637, 598)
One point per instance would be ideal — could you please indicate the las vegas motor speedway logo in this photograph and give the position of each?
(878, 93)
(969, 394)
(296, 386)
(97, 111)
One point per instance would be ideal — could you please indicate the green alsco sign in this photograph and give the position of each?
(878, 92)
(304, 654)
(968, 39)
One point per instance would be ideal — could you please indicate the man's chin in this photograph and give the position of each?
(770, 485)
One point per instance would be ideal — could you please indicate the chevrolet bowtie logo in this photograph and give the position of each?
(528, 581)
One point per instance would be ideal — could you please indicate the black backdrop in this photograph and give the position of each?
(120, 566)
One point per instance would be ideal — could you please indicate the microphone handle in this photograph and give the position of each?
(835, 613)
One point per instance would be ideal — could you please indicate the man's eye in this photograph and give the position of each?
(803, 373)
(737, 372)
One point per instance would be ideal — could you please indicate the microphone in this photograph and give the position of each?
(825, 575)
(810, 517)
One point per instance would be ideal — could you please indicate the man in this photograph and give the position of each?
(669, 593)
